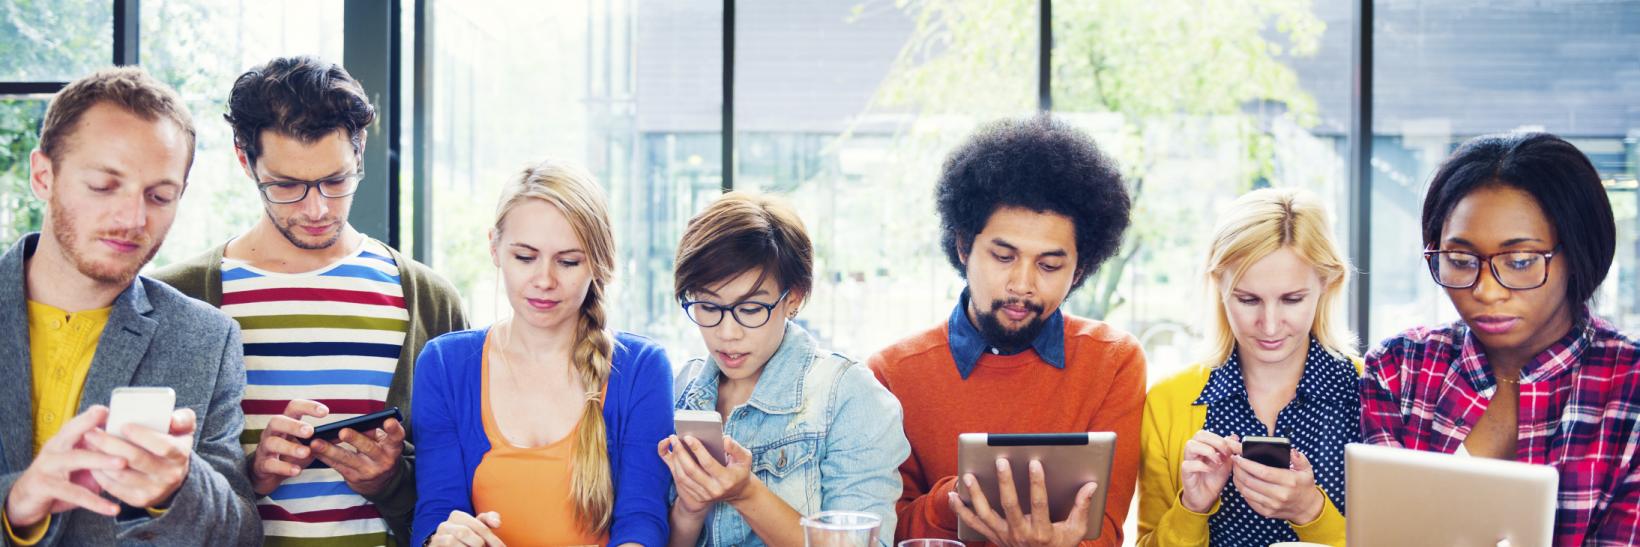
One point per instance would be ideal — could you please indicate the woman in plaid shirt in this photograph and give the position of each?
(1518, 230)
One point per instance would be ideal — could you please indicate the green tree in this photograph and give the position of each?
(40, 41)
(1145, 76)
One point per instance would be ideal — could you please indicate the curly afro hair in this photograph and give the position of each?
(1041, 164)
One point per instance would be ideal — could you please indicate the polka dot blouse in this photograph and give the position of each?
(1323, 417)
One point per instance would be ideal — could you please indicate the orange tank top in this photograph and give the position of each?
(528, 487)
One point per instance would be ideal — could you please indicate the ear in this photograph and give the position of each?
(363, 134)
(244, 162)
(41, 178)
(964, 249)
(495, 251)
(797, 299)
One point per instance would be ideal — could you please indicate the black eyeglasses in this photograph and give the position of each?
(748, 313)
(1515, 270)
(292, 191)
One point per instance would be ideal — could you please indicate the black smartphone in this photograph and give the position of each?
(361, 424)
(1272, 451)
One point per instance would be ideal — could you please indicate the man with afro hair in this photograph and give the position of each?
(1028, 209)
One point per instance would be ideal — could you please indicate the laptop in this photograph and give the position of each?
(1400, 497)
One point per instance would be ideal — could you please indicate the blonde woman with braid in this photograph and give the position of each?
(541, 429)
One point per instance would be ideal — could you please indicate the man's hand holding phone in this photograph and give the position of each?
(156, 462)
(281, 450)
(59, 478)
(369, 458)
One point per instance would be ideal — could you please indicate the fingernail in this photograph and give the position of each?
(968, 480)
(307, 431)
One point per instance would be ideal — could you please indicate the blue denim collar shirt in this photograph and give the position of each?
(823, 433)
(968, 344)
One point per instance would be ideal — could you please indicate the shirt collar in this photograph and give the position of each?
(968, 344)
(779, 387)
(1326, 378)
(1557, 359)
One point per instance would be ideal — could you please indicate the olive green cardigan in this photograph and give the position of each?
(435, 308)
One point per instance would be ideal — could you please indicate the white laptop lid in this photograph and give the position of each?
(1399, 497)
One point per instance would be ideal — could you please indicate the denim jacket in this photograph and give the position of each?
(823, 433)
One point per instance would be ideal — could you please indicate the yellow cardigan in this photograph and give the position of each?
(1170, 419)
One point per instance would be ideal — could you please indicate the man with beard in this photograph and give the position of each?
(333, 319)
(114, 155)
(1028, 210)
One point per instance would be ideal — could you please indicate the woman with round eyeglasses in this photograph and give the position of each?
(805, 430)
(1519, 232)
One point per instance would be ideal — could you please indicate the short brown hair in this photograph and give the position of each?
(741, 232)
(128, 87)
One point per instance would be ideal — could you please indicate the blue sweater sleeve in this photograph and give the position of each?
(645, 413)
(443, 482)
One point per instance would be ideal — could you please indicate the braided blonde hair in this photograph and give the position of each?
(575, 192)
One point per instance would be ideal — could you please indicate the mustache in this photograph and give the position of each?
(137, 236)
(1027, 304)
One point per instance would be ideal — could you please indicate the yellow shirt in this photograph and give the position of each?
(61, 346)
(1170, 419)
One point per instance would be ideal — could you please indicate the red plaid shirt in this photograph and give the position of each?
(1579, 412)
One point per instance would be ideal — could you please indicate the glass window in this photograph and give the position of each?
(849, 109)
(630, 88)
(20, 212)
(200, 47)
(1568, 68)
(1199, 109)
(54, 40)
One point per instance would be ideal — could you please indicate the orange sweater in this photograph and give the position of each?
(1101, 388)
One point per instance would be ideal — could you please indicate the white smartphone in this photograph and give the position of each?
(705, 426)
(148, 407)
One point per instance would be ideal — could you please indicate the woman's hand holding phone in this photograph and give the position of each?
(702, 481)
(1285, 494)
(1206, 468)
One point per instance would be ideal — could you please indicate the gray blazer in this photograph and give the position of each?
(155, 337)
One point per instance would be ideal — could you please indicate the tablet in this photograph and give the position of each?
(1069, 460)
(1408, 497)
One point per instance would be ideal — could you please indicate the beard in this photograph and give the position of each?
(67, 233)
(1001, 337)
(287, 228)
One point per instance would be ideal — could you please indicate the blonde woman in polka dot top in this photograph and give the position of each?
(1279, 364)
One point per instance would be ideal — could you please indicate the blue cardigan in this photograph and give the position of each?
(448, 423)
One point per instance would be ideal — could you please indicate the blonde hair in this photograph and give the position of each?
(575, 192)
(1262, 222)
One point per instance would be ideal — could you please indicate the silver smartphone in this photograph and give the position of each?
(705, 426)
(1069, 460)
(148, 407)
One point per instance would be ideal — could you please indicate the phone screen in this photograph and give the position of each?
(1271, 451)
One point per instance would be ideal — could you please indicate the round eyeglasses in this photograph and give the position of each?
(748, 313)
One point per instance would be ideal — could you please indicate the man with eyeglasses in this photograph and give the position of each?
(332, 319)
